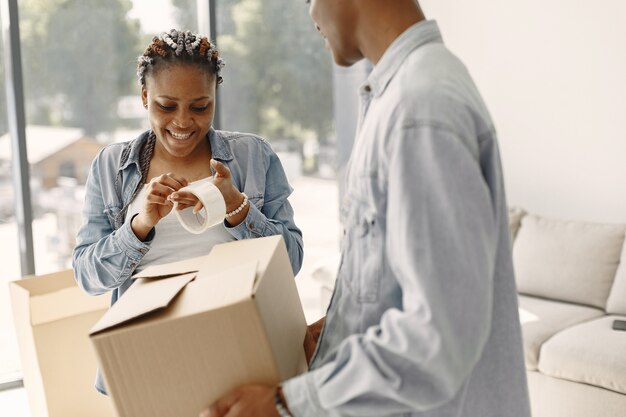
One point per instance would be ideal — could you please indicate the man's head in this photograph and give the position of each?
(357, 29)
(336, 20)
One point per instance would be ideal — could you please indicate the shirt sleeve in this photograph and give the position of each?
(275, 216)
(440, 245)
(104, 258)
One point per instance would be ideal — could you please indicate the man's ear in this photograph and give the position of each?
(144, 96)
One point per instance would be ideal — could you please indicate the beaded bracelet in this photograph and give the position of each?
(241, 207)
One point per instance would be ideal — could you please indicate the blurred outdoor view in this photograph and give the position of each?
(81, 93)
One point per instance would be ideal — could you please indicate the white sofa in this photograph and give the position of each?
(571, 286)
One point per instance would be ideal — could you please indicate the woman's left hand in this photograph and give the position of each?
(223, 181)
(232, 196)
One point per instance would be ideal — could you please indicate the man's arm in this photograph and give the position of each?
(440, 243)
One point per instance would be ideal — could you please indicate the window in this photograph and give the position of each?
(80, 94)
(278, 82)
(9, 356)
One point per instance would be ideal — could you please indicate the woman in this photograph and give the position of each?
(132, 188)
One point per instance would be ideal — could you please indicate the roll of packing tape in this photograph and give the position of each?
(212, 212)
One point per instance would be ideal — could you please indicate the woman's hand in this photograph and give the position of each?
(184, 199)
(157, 203)
(223, 181)
(232, 196)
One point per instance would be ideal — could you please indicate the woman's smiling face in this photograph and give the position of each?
(180, 98)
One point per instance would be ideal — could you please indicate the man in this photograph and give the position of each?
(424, 320)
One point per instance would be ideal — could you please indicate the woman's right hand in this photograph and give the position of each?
(156, 204)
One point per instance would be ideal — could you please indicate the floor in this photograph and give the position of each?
(13, 403)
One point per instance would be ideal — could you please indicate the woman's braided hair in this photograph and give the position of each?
(178, 46)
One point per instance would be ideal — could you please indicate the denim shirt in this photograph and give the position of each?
(107, 251)
(423, 320)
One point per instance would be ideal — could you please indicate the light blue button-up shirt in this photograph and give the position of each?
(424, 319)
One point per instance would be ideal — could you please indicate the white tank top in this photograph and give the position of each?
(172, 242)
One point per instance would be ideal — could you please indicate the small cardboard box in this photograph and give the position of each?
(178, 340)
(52, 321)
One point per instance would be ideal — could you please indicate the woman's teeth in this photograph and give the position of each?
(180, 136)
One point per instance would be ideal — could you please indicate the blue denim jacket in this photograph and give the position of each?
(423, 321)
(107, 251)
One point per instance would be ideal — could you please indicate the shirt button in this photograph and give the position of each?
(368, 89)
(251, 226)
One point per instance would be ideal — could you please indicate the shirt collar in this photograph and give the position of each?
(219, 149)
(421, 33)
(134, 148)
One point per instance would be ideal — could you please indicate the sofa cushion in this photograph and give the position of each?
(515, 217)
(616, 303)
(567, 260)
(555, 397)
(541, 319)
(591, 353)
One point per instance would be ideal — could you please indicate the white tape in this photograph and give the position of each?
(212, 213)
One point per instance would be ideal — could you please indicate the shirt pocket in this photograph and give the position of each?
(362, 249)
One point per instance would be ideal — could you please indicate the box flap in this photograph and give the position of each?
(224, 255)
(57, 296)
(215, 289)
(144, 296)
(171, 269)
(64, 303)
(49, 283)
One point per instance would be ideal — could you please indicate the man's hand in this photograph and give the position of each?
(245, 401)
(312, 336)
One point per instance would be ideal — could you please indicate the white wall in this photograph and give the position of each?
(553, 74)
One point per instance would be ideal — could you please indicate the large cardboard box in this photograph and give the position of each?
(52, 321)
(178, 339)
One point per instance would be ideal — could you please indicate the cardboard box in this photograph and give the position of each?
(178, 340)
(52, 321)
